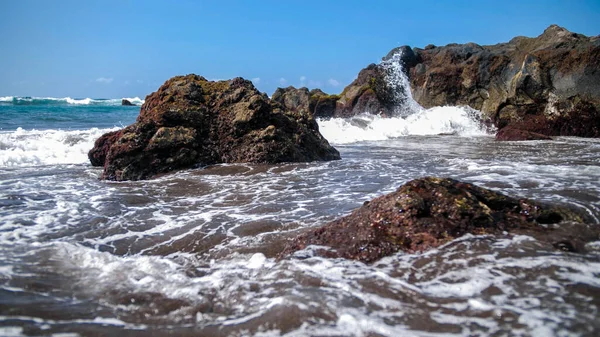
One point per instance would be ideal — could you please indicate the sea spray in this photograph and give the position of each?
(22, 148)
(435, 121)
(409, 118)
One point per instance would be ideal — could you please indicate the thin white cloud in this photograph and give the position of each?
(105, 80)
(140, 81)
(315, 84)
(282, 81)
(256, 80)
(333, 82)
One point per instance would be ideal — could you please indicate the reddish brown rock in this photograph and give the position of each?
(512, 134)
(190, 122)
(97, 155)
(426, 213)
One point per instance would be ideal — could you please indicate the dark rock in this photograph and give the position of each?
(97, 155)
(408, 58)
(512, 134)
(369, 92)
(126, 102)
(315, 102)
(549, 84)
(190, 121)
(426, 213)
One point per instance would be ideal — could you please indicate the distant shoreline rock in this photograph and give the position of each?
(428, 212)
(125, 102)
(190, 121)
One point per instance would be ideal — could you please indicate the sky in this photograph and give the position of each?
(128, 48)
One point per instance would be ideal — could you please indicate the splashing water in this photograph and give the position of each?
(409, 119)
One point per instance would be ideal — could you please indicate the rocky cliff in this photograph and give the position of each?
(549, 84)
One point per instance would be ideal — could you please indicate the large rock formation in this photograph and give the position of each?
(428, 212)
(190, 121)
(370, 92)
(549, 84)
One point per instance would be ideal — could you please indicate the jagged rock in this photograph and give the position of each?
(190, 121)
(126, 103)
(97, 154)
(511, 134)
(549, 84)
(428, 212)
(369, 92)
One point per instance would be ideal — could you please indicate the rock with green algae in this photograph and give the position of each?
(190, 121)
(315, 102)
(428, 212)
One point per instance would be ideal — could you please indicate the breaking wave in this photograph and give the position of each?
(21, 148)
(447, 120)
(409, 118)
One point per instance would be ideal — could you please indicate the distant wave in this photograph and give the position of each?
(24, 100)
(448, 120)
(22, 148)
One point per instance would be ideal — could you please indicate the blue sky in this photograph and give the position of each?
(112, 49)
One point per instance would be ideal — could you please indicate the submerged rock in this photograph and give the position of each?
(426, 213)
(511, 134)
(549, 84)
(190, 121)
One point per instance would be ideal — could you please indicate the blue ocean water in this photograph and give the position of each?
(65, 113)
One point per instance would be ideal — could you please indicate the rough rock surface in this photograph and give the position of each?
(190, 121)
(369, 92)
(549, 84)
(315, 102)
(511, 134)
(428, 212)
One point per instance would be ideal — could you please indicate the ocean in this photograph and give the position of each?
(192, 253)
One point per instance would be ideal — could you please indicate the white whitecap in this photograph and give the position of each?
(22, 148)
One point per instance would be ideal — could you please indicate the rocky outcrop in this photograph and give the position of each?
(126, 103)
(428, 212)
(369, 92)
(549, 84)
(190, 121)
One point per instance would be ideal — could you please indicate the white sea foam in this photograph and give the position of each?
(84, 101)
(460, 121)
(21, 147)
(134, 100)
(6, 99)
(409, 119)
